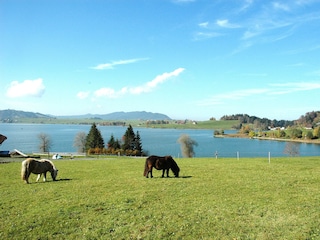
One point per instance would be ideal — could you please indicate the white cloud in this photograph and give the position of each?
(147, 87)
(115, 63)
(280, 6)
(105, 92)
(205, 35)
(83, 95)
(203, 24)
(27, 88)
(226, 24)
(273, 89)
(286, 88)
(247, 4)
(234, 95)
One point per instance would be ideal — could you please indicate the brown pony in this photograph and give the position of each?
(31, 165)
(161, 163)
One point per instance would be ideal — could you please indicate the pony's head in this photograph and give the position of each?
(54, 174)
(53, 170)
(174, 167)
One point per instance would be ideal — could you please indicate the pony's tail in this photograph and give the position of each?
(145, 169)
(24, 170)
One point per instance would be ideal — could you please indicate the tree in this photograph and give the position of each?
(45, 142)
(309, 135)
(94, 139)
(296, 133)
(113, 144)
(252, 134)
(316, 132)
(186, 144)
(128, 139)
(132, 142)
(292, 149)
(80, 142)
(138, 145)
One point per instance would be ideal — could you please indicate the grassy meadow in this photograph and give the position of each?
(108, 198)
(219, 125)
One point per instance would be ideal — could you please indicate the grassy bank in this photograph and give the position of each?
(213, 199)
(220, 125)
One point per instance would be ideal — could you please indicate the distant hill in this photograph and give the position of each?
(137, 115)
(14, 115)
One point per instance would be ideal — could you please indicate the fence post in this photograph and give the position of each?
(269, 157)
(238, 155)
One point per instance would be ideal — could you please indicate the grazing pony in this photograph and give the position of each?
(31, 165)
(161, 163)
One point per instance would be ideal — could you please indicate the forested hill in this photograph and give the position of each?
(310, 119)
(11, 115)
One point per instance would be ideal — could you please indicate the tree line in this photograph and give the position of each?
(259, 123)
(310, 120)
(129, 145)
(93, 143)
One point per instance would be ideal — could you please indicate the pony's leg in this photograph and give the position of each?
(151, 173)
(45, 176)
(27, 177)
(163, 172)
(39, 175)
(168, 172)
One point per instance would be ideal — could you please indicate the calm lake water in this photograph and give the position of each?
(24, 137)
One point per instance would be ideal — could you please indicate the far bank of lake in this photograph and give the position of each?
(309, 141)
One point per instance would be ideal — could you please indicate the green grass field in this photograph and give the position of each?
(219, 125)
(109, 198)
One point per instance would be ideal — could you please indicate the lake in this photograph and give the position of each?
(24, 137)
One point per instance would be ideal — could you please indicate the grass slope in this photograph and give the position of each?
(213, 199)
(220, 125)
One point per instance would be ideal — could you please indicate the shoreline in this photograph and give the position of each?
(316, 141)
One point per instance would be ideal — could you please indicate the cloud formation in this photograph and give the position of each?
(224, 23)
(273, 89)
(253, 23)
(83, 95)
(145, 88)
(115, 63)
(27, 88)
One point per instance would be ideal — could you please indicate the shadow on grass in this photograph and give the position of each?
(50, 181)
(172, 177)
(64, 179)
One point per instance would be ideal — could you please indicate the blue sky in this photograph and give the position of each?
(189, 59)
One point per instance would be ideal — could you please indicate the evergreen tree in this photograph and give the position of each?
(111, 141)
(94, 138)
(138, 144)
(129, 139)
(114, 144)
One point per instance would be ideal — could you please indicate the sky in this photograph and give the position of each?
(188, 59)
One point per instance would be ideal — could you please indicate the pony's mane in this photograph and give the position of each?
(47, 160)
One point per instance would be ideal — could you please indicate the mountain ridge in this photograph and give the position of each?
(11, 115)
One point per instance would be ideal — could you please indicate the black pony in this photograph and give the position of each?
(161, 163)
